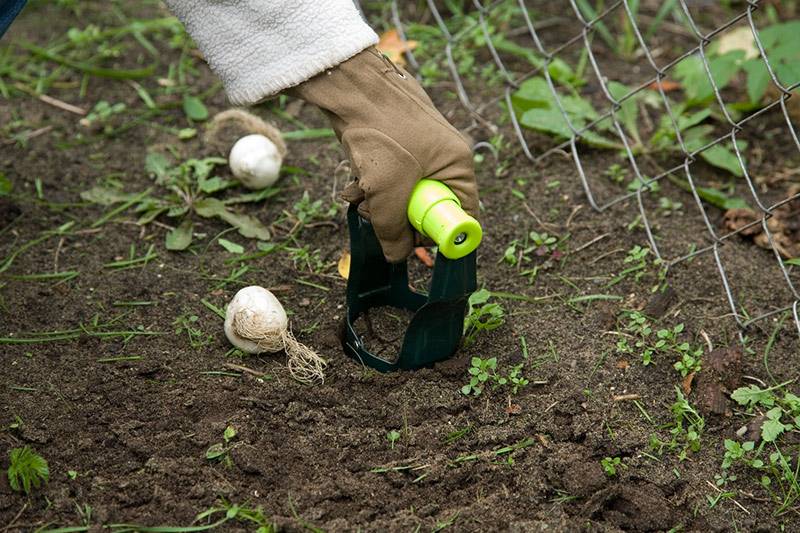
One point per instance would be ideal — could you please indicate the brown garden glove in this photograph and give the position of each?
(393, 136)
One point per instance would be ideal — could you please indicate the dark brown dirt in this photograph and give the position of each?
(136, 431)
(382, 330)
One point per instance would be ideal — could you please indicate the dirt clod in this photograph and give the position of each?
(721, 375)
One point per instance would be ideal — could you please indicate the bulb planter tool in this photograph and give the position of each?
(436, 328)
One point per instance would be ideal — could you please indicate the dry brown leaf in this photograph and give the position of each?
(667, 85)
(739, 39)
(622, 364)
(686, 384)
(423, 256)
(344, 264)
(394, 47)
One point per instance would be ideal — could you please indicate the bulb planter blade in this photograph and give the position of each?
(436, 328)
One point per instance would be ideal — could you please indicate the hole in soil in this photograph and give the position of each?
(382, 330)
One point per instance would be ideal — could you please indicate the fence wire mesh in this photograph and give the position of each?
(579, 24)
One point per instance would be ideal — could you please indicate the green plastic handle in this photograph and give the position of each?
(435, 211)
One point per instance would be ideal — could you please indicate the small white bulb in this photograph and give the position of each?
(255, 321)
(255, 161)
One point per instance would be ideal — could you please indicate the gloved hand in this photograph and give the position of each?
(393, 136)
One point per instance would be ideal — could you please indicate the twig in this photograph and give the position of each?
(55, 102)
(28, 136)
(588, 244)
(246, 370)
(572, 215)
(739, 505)
(543, 225)
(625, 397)
(58, 251)
(708, 340)
(10, 524)
(612, 252)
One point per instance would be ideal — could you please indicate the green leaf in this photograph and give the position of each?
(156, 164)
(772, 428)
(27, 469)
(212, 185)
(229, 433)
(794, 261)
(629, 111)
(757, 79)
(247, 225)
(102, 195)
(194, 108)
(187, 133)
(232, 247)
(181, 237)
(215, 451)
(752, 395)
(722, 156)
(5, 185)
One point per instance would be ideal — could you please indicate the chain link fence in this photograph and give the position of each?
(573, 28)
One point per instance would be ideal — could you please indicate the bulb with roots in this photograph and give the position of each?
(255, 322)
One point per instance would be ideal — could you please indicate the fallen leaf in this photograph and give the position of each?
(513, 409)
(668, 86)
(423, 256)
(622, 364)
(686, 384)
(739, 39)
(344, 264)
(394, 47)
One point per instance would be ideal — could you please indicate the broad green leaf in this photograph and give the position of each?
(106, 195)
(719, 199)
(533, 92)
(156, 164)
(194, 108)
(215, 451)
(247, 225)
(629, 110)
(548, 120)
(5, 185)
(687, 121)
(232, 247)
(757, 79)
(752, 395)
(201, 168)
(212, 185)
(772, 428)
(181, 237)
(794, 261)
(722, 156)
(187, 133)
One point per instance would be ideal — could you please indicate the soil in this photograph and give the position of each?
(382, 330)
(133, 417)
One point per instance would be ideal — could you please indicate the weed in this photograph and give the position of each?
(219, 451)
(306, 210)
(685, 431)
(481, 372)
(482, 316)
(611, 464)
(392, 436)
(27, 470)
(516, 379)
(649, 343)
(187, 323)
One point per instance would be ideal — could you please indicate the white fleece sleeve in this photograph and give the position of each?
(260, 47)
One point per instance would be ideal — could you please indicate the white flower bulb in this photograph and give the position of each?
(255, 161)
(255, 321)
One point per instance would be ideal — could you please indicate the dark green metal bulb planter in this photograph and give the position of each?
(435, 331)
